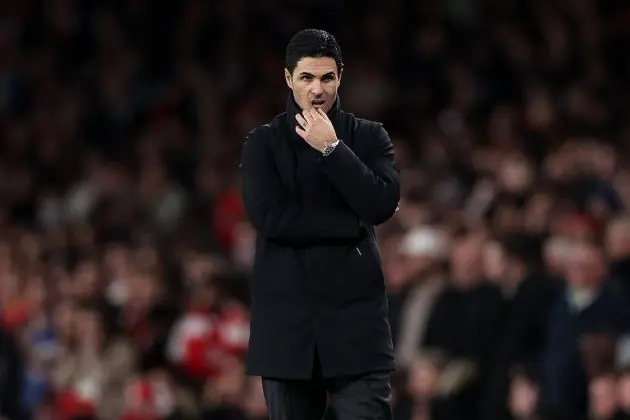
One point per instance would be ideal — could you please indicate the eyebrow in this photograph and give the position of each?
(330, 73)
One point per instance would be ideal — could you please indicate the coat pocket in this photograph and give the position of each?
(363, 275)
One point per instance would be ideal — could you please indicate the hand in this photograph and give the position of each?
(315, 128)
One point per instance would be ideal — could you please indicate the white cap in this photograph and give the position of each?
(424, 241)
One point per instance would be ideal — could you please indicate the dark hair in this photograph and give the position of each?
(312, 43)
(520, 247)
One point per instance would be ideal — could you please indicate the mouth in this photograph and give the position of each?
(318, 103)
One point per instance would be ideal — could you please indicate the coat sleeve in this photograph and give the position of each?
(279, 217)
(371, 188)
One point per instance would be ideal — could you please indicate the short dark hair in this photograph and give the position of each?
(312, 43)
(520, 247)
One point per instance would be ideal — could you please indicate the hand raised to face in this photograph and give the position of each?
(315, 128)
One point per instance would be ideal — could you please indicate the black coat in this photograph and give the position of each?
(317, 283)
(462, 325)
(564, 386)
(521, 339)
(11, 372)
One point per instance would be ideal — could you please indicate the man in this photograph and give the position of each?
(461, 329)
(510, 262)
(316, 180)
(425, 251)
(589, 308)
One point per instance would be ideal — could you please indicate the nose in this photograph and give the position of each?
(316, 88)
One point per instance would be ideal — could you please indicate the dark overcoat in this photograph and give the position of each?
(317, 286)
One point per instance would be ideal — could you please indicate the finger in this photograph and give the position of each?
(321, 113)
(301, 121)
(308, 116)
(300, 132)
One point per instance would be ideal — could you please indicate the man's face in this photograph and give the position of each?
(586, 267)
(466, 260)
(494, 263)
(314, 82)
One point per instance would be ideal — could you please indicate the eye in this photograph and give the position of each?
(306, 78)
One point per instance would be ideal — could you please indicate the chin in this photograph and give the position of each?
(324, 107)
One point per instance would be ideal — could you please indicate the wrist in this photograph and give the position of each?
(330, 147)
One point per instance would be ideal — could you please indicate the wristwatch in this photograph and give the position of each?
(330, 147)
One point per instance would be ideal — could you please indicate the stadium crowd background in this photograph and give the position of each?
(121, 225)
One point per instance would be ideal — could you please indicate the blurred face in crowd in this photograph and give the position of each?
(314, 82)
(144, 289)
(63, 320)
(618, 239)
(537, 212)
(30, 246)
(556, 252)
(585, 268)
(523, 397)
(494, 261)
(466, 260)
(602, 397)
(86, 279)
(88, 328)
(508, 218)
(36, 291)
(9, 288)
(5, 257)
(117, 261)
(515, 174)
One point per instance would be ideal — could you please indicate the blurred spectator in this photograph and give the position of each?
(423, 253)
(587, 307)
(528, 294)
(90, 377)
(461, 327)
(207, 339)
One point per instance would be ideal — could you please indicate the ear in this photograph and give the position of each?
(288, 78)
(339, 78)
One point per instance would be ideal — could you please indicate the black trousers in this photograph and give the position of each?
(361, 397)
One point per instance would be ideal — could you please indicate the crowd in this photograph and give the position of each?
(125, 251)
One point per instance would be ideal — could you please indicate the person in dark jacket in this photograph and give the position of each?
(589, 306)
(528, 296)
(11, 375)
(315, 183)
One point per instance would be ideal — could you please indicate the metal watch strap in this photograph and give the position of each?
(330, 148)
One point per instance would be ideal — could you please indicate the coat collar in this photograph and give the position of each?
(293, 108)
